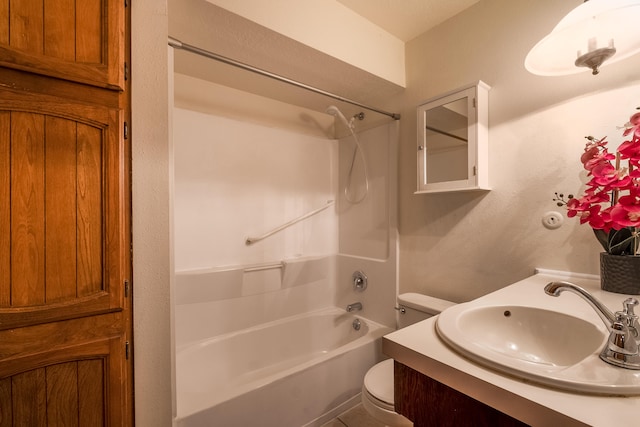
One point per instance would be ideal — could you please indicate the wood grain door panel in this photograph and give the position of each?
(82, 41)
(62, 251)
(66, 383)
(65, 214)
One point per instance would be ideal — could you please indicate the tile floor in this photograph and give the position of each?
(354, 417)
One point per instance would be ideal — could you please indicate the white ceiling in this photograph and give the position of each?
(406, 19)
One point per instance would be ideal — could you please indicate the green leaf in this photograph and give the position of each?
(621, 241)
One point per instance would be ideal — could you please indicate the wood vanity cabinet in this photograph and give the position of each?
(65, 214)
(429, 403)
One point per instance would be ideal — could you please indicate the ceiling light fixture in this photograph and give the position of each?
(592, 33)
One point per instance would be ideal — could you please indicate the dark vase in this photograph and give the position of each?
(620, 273)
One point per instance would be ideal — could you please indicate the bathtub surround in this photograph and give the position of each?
(368, 235)
(235, 178)
(218, 301)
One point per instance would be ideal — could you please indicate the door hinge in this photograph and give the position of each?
(475, 171)
(126, 350)
(126, 71)
(126, 288)
(126, 3)
(126, 130)
(474, 100)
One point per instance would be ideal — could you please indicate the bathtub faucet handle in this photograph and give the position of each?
(356, 306)
(359, 281)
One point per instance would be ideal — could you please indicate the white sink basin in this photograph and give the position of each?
(533, 343)
(525, 333)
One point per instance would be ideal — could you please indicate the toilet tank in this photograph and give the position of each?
(418, 307)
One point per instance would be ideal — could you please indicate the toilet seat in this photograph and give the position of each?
(377, 395)
(379, 383)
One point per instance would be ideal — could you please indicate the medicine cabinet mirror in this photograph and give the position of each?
(452, 141)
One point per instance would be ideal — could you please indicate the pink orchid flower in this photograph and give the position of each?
(601, 158)
(612, 198)
(630, 150)
(626, 213)
(586, 212)
(633, 125)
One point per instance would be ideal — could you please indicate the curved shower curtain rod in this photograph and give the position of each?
(177, 44)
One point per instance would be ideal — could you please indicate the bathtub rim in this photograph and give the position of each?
(200, 403)
(202, 342)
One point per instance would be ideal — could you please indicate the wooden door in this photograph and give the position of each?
(65, 246)
(77, 40)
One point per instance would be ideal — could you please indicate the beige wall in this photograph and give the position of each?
(461, 246)
(152, 255)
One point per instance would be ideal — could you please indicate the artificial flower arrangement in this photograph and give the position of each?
(611, 202)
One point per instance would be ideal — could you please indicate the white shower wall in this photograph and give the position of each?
(245, 165)
(236, 179)
(368, 230)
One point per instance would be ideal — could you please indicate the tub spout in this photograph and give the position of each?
(356, 306)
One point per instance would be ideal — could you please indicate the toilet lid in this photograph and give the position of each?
(379, 381)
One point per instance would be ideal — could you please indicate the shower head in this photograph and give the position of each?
(335, 111)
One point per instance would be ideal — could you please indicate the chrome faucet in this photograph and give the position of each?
(623, 346)
(356, 306)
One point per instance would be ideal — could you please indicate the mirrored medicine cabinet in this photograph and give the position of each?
(452, 141)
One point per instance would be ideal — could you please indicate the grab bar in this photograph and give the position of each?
(263, 267)
(252, 240)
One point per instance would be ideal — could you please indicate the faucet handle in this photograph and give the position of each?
(621, 342)
(628, 304)
(627, 315)
(630, 318)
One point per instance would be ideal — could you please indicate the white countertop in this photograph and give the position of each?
(419, 347)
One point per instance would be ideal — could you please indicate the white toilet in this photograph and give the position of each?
(377, 390)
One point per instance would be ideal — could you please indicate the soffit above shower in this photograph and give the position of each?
(331, 28)
(210, 27)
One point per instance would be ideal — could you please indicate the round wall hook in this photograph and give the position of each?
(359, 281)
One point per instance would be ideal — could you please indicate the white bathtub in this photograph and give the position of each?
(298, 371)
